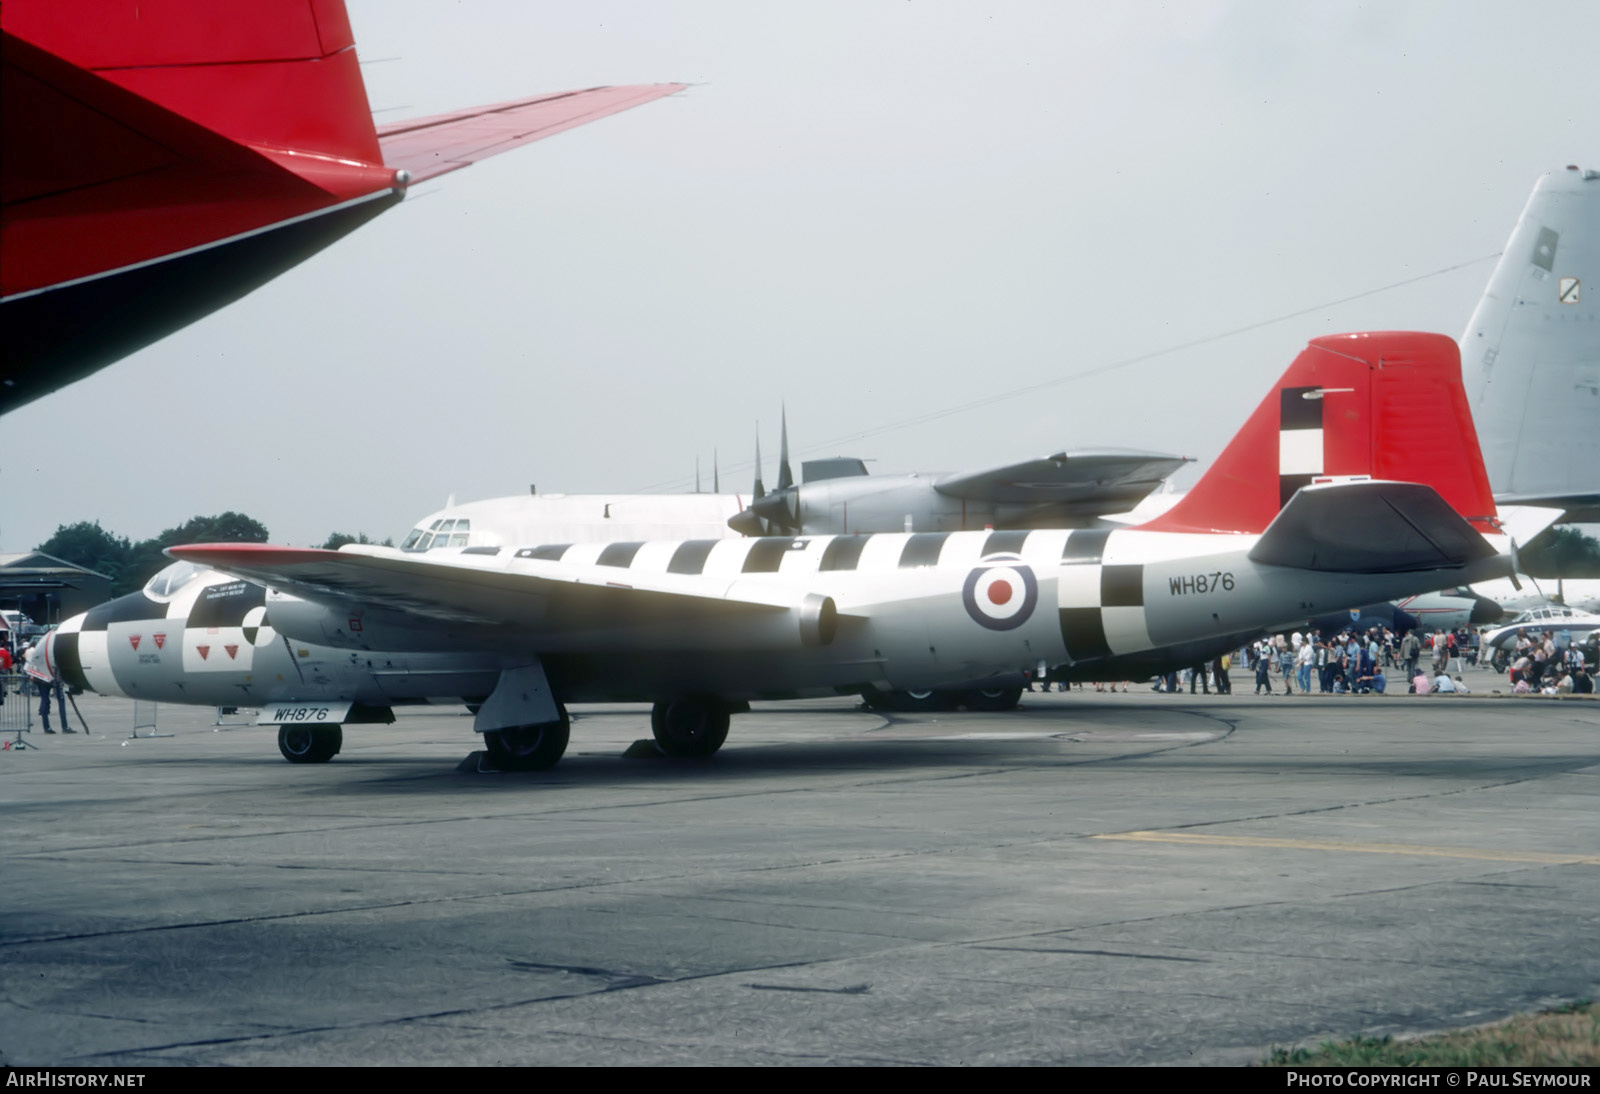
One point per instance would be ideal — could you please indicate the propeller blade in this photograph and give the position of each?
(758, 491)
(785, 476)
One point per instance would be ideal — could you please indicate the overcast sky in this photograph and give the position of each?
(874, 212)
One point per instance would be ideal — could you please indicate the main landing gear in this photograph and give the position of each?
(691, 727)
(932, 701)
(309, 744)
(529, 748)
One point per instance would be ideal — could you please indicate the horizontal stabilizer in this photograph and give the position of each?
(428, 147)
(1369, 528)
(1102, 480)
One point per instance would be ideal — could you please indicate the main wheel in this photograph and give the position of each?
(986, 699)
(529, 748)
(922, 702)
(691, 727)
(310, 744)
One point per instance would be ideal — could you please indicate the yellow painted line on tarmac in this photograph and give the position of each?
(1417, 849)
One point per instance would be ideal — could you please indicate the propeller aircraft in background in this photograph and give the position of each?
(1066, 490)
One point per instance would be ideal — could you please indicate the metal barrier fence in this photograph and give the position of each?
(16, 706)
(144, 717)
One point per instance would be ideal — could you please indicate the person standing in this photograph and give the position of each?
(1410, 653)
(48, 683)
(1219, 671)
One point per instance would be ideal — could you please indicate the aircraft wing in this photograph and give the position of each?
(1091, 481)
(429, 147)
(497, 592)
(1369, 527)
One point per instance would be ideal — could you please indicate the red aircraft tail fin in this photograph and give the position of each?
(1387, 405)
(271, 74)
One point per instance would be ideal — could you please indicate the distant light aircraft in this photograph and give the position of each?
(1565, 624)
(163, 158)
(1528, 592)
(1320, 501)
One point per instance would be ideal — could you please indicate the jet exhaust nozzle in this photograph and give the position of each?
(819, 620)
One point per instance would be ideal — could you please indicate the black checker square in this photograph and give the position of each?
(1122, 586)
(1083, 632)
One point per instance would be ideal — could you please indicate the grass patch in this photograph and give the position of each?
(1567, 1036)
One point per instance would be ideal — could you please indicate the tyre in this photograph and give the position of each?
(992, 699)
(691, 727)
(923, 702)
(529, 748)
(310, 744)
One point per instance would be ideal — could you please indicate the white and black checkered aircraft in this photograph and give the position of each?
(1336, 492)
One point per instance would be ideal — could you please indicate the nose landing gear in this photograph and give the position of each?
(309, 744)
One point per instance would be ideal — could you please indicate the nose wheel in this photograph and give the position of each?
(692, 727)
(310, 744)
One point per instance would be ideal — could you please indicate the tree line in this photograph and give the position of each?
(130, 564)
(1561, 551)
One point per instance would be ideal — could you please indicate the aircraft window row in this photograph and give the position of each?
(441, 533)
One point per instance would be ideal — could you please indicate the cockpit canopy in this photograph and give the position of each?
(445, 532)
(167, 582)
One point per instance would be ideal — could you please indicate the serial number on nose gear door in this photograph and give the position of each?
(1218, 581)
(301, 714)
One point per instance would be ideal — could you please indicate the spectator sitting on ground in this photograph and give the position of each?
(1420, 685)
(1443, 683)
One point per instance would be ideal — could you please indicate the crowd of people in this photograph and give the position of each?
(1378, 661)
(1540, 664)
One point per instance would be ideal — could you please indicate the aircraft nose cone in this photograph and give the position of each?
(1485, 611)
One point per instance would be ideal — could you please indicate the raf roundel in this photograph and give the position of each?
(1000, 592)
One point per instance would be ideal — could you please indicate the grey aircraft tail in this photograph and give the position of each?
(1530, 356)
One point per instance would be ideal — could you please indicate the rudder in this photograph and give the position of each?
(1386, 405)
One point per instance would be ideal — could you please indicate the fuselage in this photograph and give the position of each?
(908, 611)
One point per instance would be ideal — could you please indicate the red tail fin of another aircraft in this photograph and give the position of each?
(1387, 405)
(165, 157)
